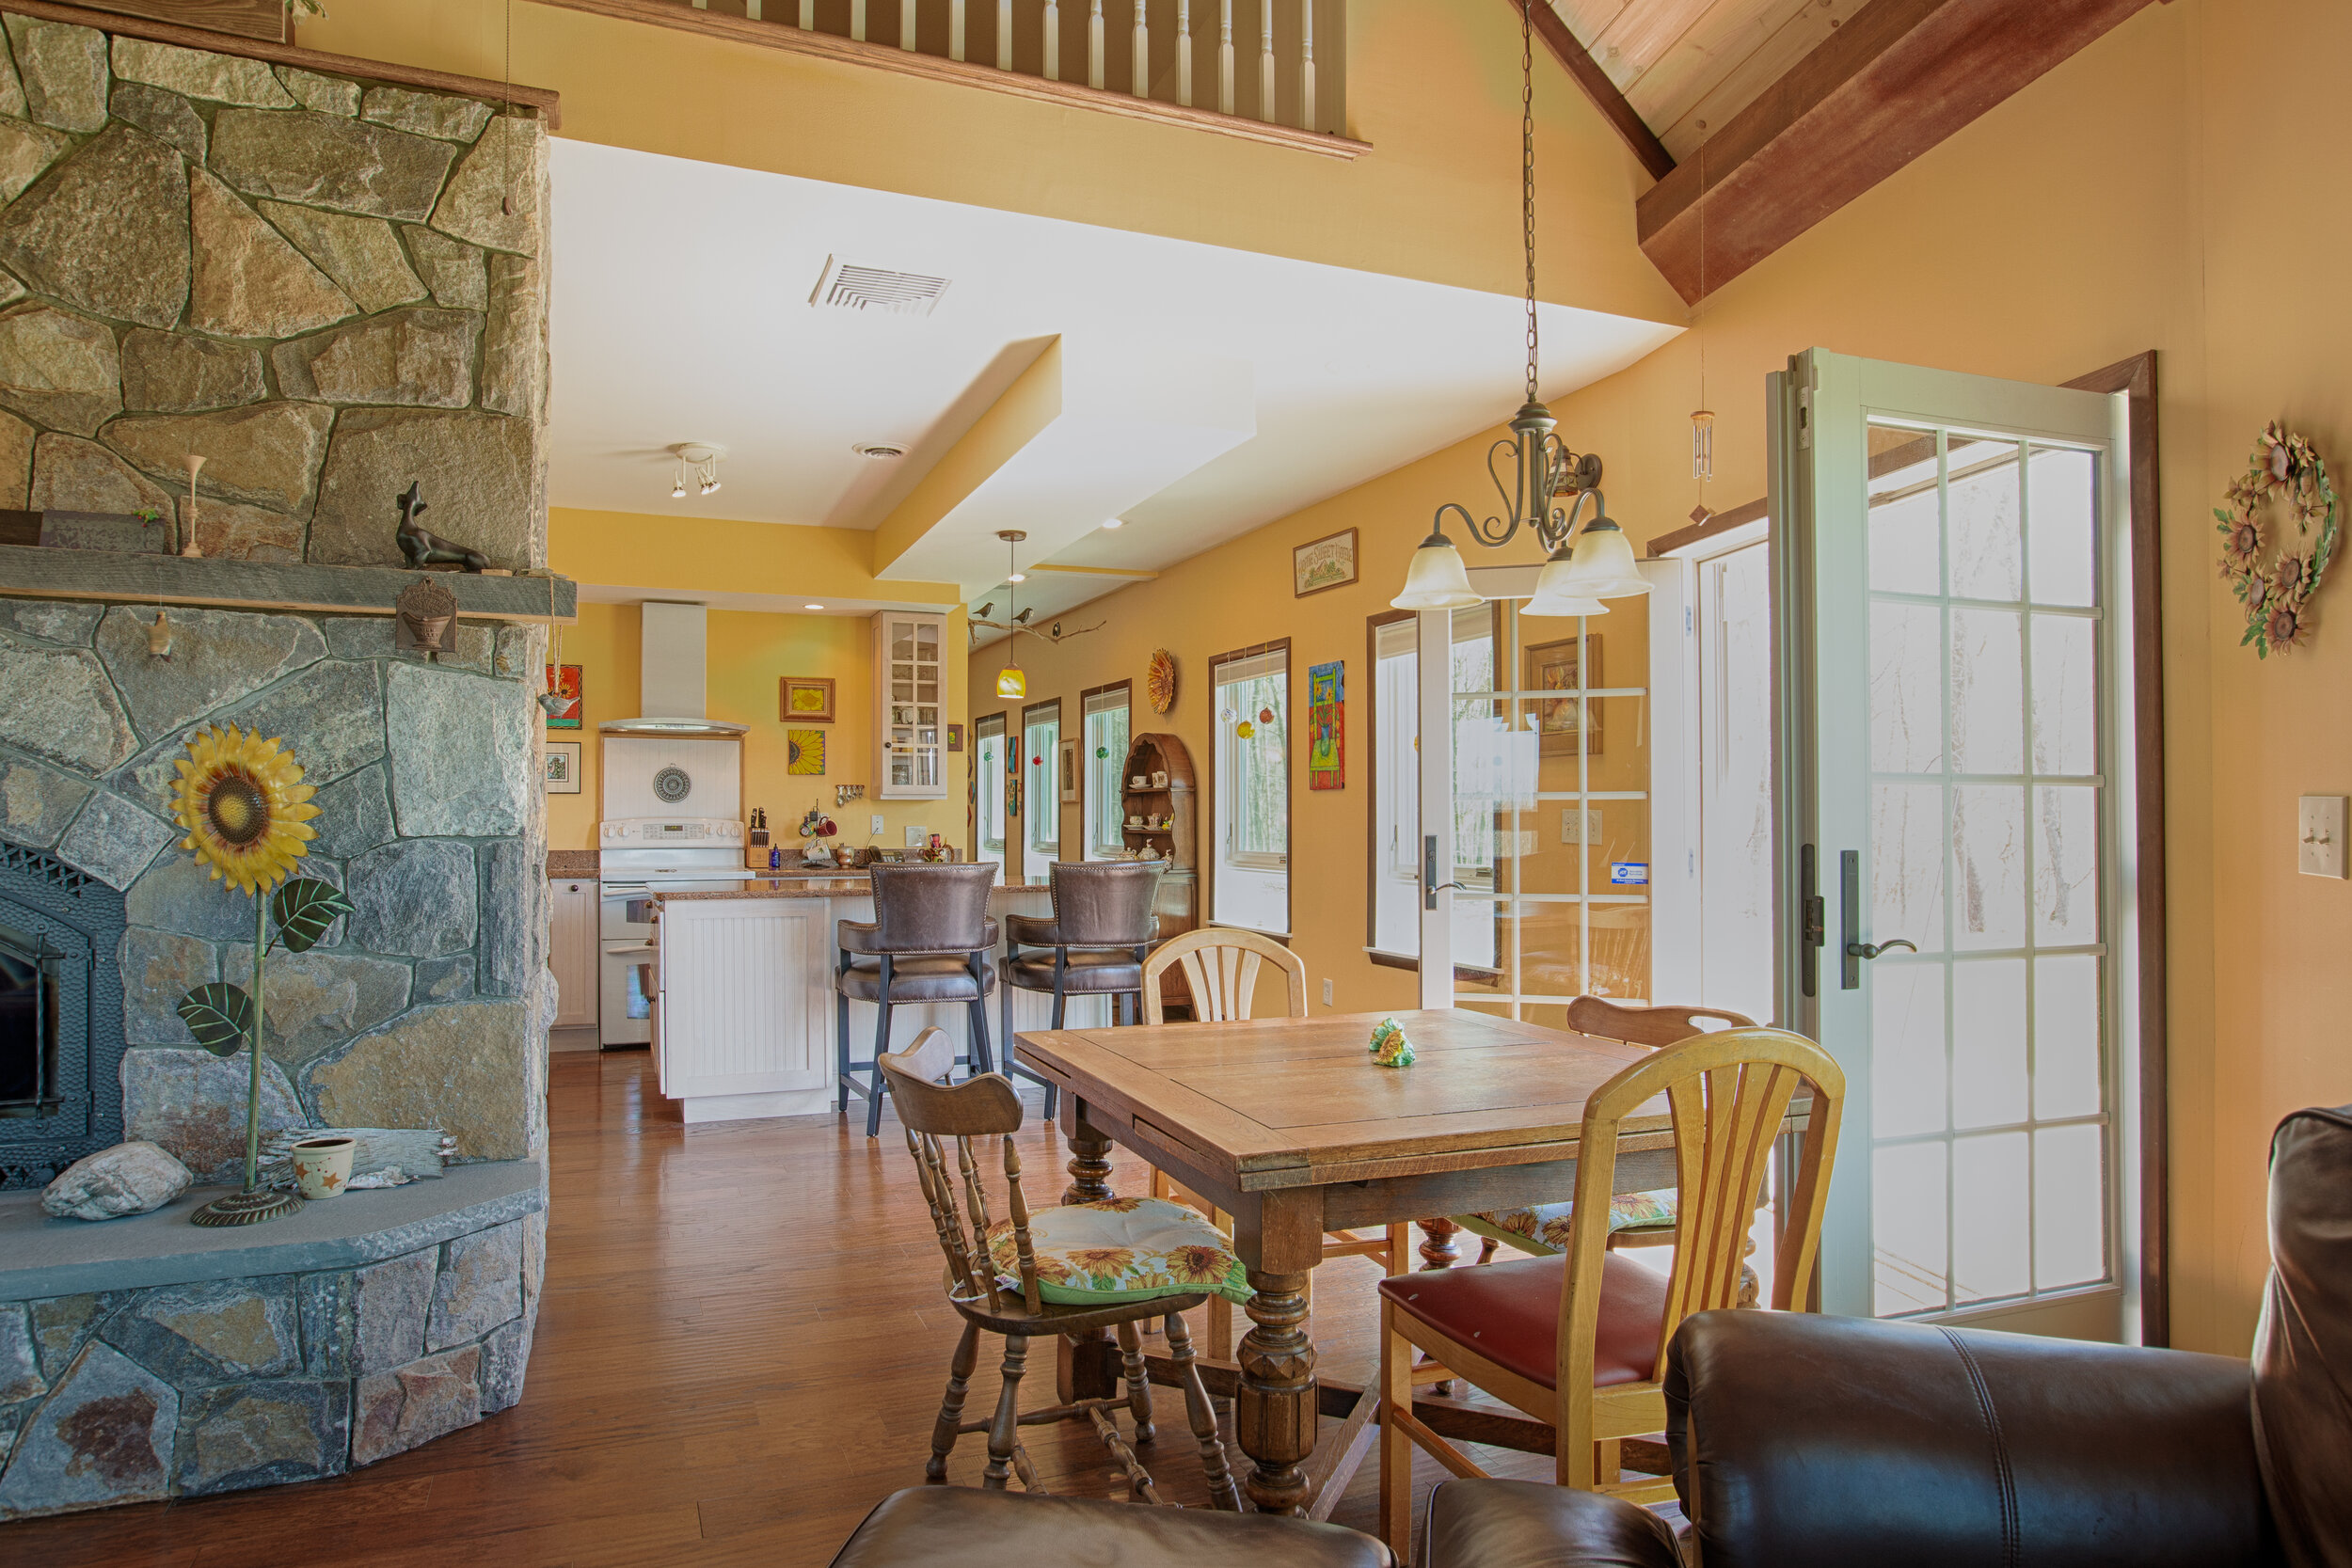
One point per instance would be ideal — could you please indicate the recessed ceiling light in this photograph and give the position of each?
(812, 606)
(882, 450)
(1114, 522)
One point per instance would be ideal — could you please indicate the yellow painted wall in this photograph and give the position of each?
(2174, 187)
(1434, 87)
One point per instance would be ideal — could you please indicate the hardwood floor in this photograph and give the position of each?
(741, 1350)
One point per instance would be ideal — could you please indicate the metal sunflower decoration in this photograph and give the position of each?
(246, 810)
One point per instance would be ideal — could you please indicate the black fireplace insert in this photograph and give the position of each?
(60, 1016)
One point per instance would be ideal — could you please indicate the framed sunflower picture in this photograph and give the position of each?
(805, 751)
(806, 700)
(562, 767)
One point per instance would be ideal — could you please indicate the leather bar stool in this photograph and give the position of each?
(1102, 926)
(929, 941)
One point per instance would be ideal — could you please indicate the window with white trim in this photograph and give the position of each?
(1105, 747)
(1253, 817)
(1395, 863)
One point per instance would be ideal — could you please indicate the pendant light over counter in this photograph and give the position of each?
(1010, 680)
(1579, 569)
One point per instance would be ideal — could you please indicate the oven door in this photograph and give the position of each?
(626, 952)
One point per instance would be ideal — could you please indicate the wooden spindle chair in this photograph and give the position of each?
(1636, 1219)
(941, 1125)
(1221, 967)
(1580, 1343)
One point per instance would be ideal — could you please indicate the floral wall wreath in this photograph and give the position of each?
(2285, 469)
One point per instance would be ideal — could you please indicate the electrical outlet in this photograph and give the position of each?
(1326, 993)
(1571, 833)
(2319, 835)
(917, 836)
(878, 823)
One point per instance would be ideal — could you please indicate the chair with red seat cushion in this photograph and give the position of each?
(1578, 1341)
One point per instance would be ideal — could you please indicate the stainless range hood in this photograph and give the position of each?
(672, 673)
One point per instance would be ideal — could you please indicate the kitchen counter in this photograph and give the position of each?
(744, 1016)
(573, 863)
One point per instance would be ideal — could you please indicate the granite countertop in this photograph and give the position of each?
(572, 863)
(835, 885)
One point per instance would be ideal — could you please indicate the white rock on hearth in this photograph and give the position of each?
(128, 1178)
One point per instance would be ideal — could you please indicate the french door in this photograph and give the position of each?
(1954, 796)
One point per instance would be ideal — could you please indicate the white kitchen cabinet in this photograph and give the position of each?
(909, 705)
(572, 950)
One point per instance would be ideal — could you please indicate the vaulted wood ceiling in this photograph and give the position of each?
(1805, 104)
(1681, 61)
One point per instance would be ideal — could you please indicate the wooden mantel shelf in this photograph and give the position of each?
(43, 572)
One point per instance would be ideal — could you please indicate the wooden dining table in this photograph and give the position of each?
(1289, 1126)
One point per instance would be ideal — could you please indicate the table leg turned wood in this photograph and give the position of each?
(1274, 1409)
(1437, 1248)
(1086, 1365)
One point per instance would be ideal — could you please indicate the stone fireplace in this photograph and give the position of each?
(328, 285)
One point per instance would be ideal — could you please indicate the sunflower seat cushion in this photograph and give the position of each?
(1543, 1229)
(1120, 1249)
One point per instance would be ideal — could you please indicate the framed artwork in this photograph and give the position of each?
(1069, 771)
(565, 678)
(805, 751)
(563, 765)
(805, 698)
(955, 737)
(1327, 703)
(1323, 564)
(1563, 666)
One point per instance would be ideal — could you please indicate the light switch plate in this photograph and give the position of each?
(878, 823)
(1326, 993)
(2319, 835)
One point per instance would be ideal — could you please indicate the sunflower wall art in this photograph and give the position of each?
(241, 803)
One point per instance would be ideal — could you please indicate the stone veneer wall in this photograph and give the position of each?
(308, 280)
(178, 1390)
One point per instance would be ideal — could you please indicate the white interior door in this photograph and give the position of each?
(1951, 563)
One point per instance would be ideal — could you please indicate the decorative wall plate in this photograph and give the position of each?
(1159, 681)
(671, 784)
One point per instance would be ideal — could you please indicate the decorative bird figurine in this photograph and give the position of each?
(420, 545)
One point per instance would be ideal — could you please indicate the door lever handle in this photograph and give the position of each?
(1872, 949)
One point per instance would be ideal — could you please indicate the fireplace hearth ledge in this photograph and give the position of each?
(60, 1258)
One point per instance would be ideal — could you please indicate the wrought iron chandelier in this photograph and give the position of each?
(1581, 568)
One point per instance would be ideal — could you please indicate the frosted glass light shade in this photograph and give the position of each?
(1011, 682)
(1602, 564)
(1436, 579)
(1554, 594)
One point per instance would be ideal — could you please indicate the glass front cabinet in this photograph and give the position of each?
(911, 701)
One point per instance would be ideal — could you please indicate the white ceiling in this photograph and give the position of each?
(680, 314)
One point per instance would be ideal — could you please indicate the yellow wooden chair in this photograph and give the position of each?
(1580, 1343)
(1221, 966)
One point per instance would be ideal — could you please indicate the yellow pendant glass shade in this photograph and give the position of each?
(1553, 595)
(1602, 565)
(1436, 579)
(1011, 682)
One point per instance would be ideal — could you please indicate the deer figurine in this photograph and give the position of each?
(420, 545)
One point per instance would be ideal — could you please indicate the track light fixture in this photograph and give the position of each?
(703, 459)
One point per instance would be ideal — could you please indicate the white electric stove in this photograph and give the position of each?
(641, 855)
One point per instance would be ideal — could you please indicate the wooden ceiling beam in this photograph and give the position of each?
(1600, 89)
(1897, 79)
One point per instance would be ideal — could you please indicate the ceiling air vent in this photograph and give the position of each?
(847, 286)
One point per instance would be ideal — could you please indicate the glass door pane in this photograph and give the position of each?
(1551, 809)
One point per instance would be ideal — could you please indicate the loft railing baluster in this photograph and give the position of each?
(906, 23)
(1053, 41)
(1306, 65)
(1266, 60)
(1225, 57)
(955, 29)
(1094, 44)
(1184, 53)
(857, 20)
(1004, 35)
(1142, 51)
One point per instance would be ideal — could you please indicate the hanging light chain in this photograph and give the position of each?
(1527, 173)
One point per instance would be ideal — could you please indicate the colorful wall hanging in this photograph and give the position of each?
(562, 767)
(805, 698)
(1327, 703)
(2282, 467)
(565, 681)
(805, 751)
(1159, 681)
